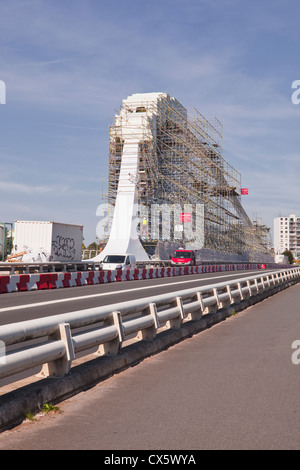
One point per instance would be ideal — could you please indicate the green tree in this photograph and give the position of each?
(289, 255)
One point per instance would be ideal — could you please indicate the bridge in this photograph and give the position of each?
(163, 347)
(166, 168)
(232, 386)
(153, 315)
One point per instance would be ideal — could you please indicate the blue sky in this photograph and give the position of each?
(67, 65)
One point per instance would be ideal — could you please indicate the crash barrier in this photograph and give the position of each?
(23, 267)
(58, 339)
(56, 280)
(26, 267)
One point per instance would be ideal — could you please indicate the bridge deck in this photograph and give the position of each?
(233, 386)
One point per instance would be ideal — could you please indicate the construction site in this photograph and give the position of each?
(181, 167)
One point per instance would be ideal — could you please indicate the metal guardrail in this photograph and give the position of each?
(65, 266)
(59, 338)
(48, 266)
(85, 265)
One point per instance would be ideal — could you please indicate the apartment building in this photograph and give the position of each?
(287, 235)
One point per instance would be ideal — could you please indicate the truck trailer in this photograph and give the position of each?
(52, 241)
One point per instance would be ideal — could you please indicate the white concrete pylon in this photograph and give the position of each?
(124, 237)
(134, 129)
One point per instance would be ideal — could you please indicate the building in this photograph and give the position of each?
(287, 235)
(178, 167)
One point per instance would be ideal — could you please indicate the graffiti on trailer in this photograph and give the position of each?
(64, 247)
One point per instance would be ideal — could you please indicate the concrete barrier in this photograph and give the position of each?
(58, 280)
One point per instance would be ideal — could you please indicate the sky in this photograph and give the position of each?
(67, 65)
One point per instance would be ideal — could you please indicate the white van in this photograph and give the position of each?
(113, 262)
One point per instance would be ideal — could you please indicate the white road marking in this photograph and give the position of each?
(74, 299)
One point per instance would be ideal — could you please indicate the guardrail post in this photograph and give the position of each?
(248, 286)
(150, 333)
(230, 296)
(226, 302)
(215, 291)
(177, 321)
(215, 307)
(197, 314)
(61, 366)
(247, 295)
(111, 348)
(240, 290)
(273, 280)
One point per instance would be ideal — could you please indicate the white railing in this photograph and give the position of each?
(58, 339)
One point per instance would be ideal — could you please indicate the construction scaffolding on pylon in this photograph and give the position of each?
(181, 163)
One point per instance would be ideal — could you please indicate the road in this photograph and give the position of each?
(233, 386)
(29, 305)
(20, 306)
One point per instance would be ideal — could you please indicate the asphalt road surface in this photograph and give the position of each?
(233, 386)
(21, 306)
(29, 305)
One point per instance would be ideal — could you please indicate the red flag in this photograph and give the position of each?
(185, 217)
(244, 190)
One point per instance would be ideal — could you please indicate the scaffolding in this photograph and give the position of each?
(181, 164)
